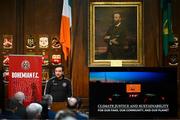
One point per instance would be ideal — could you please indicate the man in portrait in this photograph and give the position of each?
(116, 38)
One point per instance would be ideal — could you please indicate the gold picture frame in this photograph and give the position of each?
(107, 47)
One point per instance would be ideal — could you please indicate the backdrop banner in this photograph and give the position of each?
(26, 76)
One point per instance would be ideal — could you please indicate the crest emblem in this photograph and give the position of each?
(55, 43)
(8, 41)
(30, 43)
(64, 84)
(43, 42)
(25, 65)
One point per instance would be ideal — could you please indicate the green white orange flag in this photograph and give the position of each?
(66, 22)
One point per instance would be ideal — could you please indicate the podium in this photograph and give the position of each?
(56, 106)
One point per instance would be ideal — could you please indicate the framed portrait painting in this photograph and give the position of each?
(115, 34)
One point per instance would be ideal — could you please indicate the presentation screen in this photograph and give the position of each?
(132, 92)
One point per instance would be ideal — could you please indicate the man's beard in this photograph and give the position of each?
(116, 22)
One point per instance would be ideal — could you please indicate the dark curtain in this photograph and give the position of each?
(79, 73)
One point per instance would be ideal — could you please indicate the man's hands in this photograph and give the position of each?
(114, 41)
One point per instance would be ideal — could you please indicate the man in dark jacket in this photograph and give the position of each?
(59, 86)
(116, 38)
(21, 110)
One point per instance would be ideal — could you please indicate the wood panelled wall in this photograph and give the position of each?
(20, 17)
(42, 16)
(25, 17)
(7, 22)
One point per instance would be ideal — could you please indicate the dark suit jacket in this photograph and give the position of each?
(21, 111)
(120, 34)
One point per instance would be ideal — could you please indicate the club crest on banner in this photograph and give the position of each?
(25, 65)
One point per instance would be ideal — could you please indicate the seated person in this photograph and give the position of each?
(21, 110)
(34, 111)
(73, 105)
(65, 115)
(10, 109)
(46, 103)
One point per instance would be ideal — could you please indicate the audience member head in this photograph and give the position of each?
(65, 115)
(34, 111)
(20, 97)
(72, 102)
(12, 104)
(48, 99)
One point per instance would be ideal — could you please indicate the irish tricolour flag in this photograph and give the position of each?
(65, 38)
